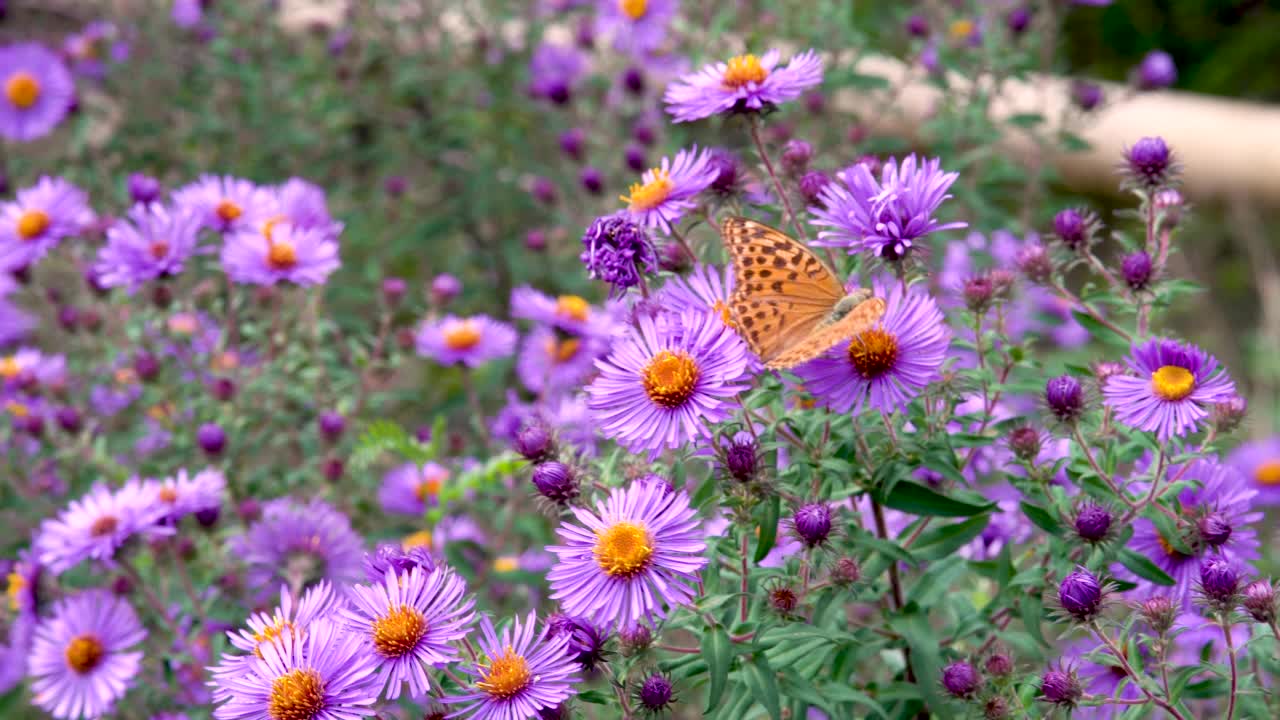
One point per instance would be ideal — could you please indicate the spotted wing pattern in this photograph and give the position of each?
(782, 292)
(861, 318)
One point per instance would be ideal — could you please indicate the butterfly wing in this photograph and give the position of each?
(782, 290)
(860, 319)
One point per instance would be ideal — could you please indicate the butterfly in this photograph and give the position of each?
(787, 304)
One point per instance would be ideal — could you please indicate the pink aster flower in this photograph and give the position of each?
(745, 83)
(665, 193)
(471, 341)
(1259, 463)
(36, 91)
(226, 203)
(154, 242)
(410, 489)
(97, 525)
(38, 219)
(635, 26)
(284, 253)
(519, 674)
(293, 616)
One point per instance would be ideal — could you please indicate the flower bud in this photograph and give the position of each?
(998, 665)
(1149, 162)
(1080, 594)
(211, 439)
(69, 419)
(544, 191)
(726, 166)
(445, 287)
(741, 458)
(1228, 414)
(146, 366)
(673, 258)
(395, 185)
(917, 26)
(143, 188)
(1086, 95)
(996, 708)
(1214, 529)
(1074, 228)
(813, 183)
(1093, 522)
(635, 159)
(978, 292)
(534, 443)
(1159, 612)
(572, 142)
(223, 389)
(1219, 581)
(591, 179)
(635, 638)
(556, 482)
(1170, 204)
(1136, 269)
(961, 680)
(815, 102)
(1025, 443)
(633, 80)
(1065, 397)
(846, 571)
(536, 240)
(331, 425)
(644, 134)
(796, 155)
(1156, 71)
(1018, 20)
(1034, 262)
(813, 523)
(161, 295)
(68, 318)
(332, 469)
(1260, 601)
(1060, 686)
(393, 290)
(656, 693)
(249, 510)
(783, 599)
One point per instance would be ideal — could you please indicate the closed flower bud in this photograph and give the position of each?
(591, 179)
(1228, 414)
(1025, 443)
(1260, 601)
(1092, 522)
(741, 457)
(1214, 529)
(69, 318)
(644, 134)
(635, 638)
(1156, 71)
(1219, 581)
(1136, 269)
(961, 680)
(393, 290)
(223, 389)
(331, 425)
(395, 185)
(544, 191)
(1065, 397)
(1074, 228)
(846, 571)
(1018, 20)
(1060, 686)
(726, 167)
(917, 26)
(249, 510)
(998, 665)
(143, 188)
(332, 469)
(812, 184)
(796, 155)
(1086, 95)
(572, 142)
(635, 158)
(1034, 262)
(211, 439)
(1149, 162)
(978, 293)
(655, 694)
(633, 80)
(673, 258)
(1080, 594)
(556, 482)
(69, 419)
(146, 366)
(812, 523)
(1170, 204)
(534, 443)
(1159, 612)
(208, 517)
(445, 287)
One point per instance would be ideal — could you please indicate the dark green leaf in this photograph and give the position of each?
(717, 649)
(763, 684)
(912, 497)
(1041, 518)
(768, 527)
(1142, 566)
(940, 542)
(595, 697)
(1031, 608)
(1098, 330)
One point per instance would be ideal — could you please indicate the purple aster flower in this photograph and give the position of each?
(1087, 95)
(154, 243)
(550, 363)
(80, 661)
(29, 369)
(1199, 637)
(638, 551)
(887, 365)
(322, 674)
(293, 616)
(744, 83)
(619, 251)
(187, 14)
(301, 204)
(400, 558)
(285, 253)
(1173, 387)
(97, 525)
(554, 70)
(1259, 463)
(471, 341)
(143, 188)
(1150, 163)
(36, 91)
(884, 217)
(812, 523)
(38, 219)
(408, 621)
(586, 641)
(663, 383)
(665, 193)
(705, 289)
(184, 494)
(567, 313)
(961, 679)
(299, 544)
(1109, 681)
(519, 674)
(410, 489)
(637, 27)
(225, 203)
(1156, 71)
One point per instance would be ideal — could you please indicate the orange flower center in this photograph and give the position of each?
(623, 549)
(17, 409)
(873, 353)
(429, 486)
(1168, 547)
(670, 378)
(270, 633)
(462, 335)
(572, 306)
(17, 584)
(1172, 383)
(508, 674)
(159, 250)
(270, 225)
(22, 89)
(649, 195)
(32, 224)
(281, 254)
(506, 564)
(228, 211)
(104, 525)
(297, 695)
(961, 29)
(398, 632)
(743, 69)
(422, 538)
(562, 351)
(634, 9)
(1268, 473)
(168, 494)
(9, 367)
(84, 653)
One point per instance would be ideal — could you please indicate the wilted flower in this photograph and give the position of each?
(619, 251)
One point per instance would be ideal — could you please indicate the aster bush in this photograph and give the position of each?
(393, 365)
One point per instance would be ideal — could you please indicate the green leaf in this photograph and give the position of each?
(717, 650)
(940, 542)
(1098, 330)
(925, 661)
(763, 684)
(1142, 566)
(595, 697)
(912, 497)
(1041, 518)
(1025, 120)
(1031, 608)
(844, 693)
(768, 527)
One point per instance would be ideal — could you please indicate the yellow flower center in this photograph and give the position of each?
(297, 695)
(9, 367)
(422, 538)
(398, 632)
(623, 549)
(961, 29)
(563, 351)
(743, 69)
(1268, 473)
(873, 353)
(32, 224)
(269, 634)
(1172, 383)
(462, 335)
(670, 378)
(429, 485)
(508, 674)
(634, 9)
(17, 584)
(228, 211)
(649, 195)
(84, 652)
(17, 409)
(506, 564)
(572, 306)
(161, 411)
(104, 525)
(281, 255)
(159, 250)
(22, 89)
(168, 494)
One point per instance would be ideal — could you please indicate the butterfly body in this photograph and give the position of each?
(787, 304)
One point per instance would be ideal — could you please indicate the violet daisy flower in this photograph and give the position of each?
(27, 368)
(185, 494)
(887, 216)
(412, 552)
(226, 203)
(291, 617)
(39, 218)
(409, 621)
(1173, 388)
(619, 251)
(323, 674)
(640, 550)
(744, 83)
(80, 661)
(154, 242)
(637, 27)
(97, 525)
(301, 204)
(471, 341)
(705, 289)
(36, 91)
(520, 673)
(283, 253)
(549, 362)
(1108, 681)
(1259, 463)
(663, 383)
(567, 313)
(299, 544)
(665, 193)
(410, 489)
(888, 365)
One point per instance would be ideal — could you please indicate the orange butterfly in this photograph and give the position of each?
(787, 303)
